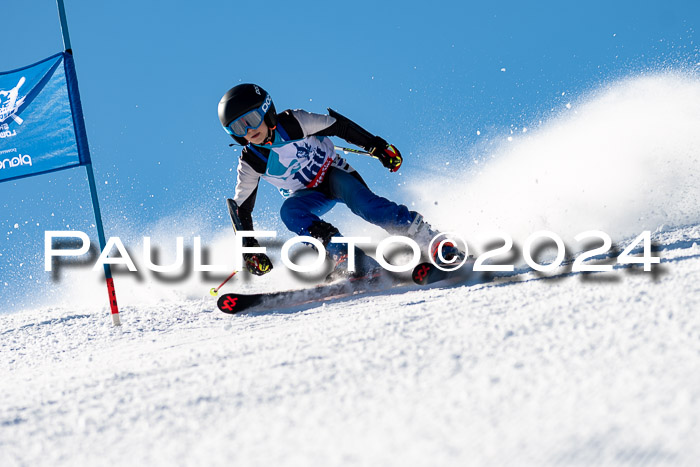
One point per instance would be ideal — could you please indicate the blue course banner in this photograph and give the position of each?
(41, 122)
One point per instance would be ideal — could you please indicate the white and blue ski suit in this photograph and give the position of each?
(300, 160)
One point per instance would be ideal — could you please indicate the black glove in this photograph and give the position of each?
(256, 263)
(388, 155)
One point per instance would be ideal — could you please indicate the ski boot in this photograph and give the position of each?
(423, 234)
(366, 268)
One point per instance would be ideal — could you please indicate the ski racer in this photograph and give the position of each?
(293, 151)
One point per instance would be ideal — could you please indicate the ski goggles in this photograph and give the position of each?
(251, 120)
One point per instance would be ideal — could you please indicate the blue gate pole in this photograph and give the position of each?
(93, 189)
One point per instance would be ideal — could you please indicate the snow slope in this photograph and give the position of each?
(597, 369)
(527, 371)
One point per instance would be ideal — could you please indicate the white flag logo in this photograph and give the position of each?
(10, 103)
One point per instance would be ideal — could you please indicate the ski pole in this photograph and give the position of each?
(215, 290)
(356, 151)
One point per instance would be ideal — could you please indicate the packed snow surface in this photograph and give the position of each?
(588, 369)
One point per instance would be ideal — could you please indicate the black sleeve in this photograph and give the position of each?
(249, 169)
(351, 132)
(245, 211)
(245, 215)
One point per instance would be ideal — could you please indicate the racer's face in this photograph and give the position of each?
(258, 135)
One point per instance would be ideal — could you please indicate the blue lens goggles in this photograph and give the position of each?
(251, 120)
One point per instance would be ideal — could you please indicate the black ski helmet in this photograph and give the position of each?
(242, 99)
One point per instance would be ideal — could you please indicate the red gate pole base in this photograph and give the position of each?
(113, 302)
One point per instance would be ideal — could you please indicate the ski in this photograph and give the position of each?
(233, 303)
(427, 273)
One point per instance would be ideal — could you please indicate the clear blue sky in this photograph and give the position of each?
(426, 76)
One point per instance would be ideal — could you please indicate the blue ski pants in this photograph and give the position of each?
(305, 207)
